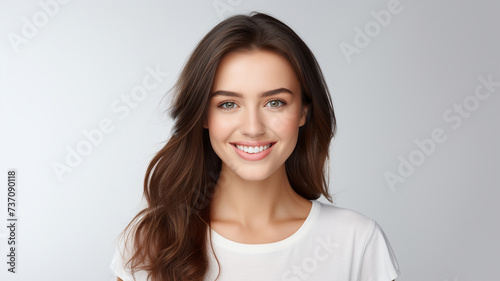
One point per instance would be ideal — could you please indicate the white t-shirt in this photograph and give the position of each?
(333, 243)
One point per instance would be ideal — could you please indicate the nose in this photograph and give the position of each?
(252, 123)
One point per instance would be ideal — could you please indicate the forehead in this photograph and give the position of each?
(254, 71)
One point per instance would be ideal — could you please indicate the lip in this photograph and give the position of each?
(253, 143)
(252, 156)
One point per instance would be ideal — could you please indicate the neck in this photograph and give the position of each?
(254, 204)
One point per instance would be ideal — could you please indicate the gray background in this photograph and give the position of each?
(66, 76)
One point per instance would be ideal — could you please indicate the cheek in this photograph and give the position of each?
(287, 122)
(220, 127)
(285, 125)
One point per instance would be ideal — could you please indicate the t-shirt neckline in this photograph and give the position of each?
(274, 246)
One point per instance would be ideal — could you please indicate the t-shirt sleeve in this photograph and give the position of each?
(119, 260)
(378, 262)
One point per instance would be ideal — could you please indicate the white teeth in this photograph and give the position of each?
(253, 149)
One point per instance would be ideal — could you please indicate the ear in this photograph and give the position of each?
(205, 125)
(303, 115)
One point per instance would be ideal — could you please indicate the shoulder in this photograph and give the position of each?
(124, 246)
(344, 219)
(124, 243)
(340, 214)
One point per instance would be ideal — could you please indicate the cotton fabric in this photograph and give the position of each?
(333, 243)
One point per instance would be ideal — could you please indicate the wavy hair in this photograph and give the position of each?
(170, 234)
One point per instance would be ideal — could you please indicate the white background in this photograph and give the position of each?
(68, 75)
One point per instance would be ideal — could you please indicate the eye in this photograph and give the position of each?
(276, 103)
(227, 105)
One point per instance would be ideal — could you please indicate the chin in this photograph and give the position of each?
(254, 175)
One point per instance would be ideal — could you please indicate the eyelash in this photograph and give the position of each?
(227, 109)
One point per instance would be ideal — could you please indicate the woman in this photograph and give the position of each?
(232, 194)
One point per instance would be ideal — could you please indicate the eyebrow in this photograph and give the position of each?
(239, 95)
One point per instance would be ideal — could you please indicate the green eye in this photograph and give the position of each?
(276, 103)
(230, 104)
(227, 105)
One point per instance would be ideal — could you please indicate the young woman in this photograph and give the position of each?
(232, 195)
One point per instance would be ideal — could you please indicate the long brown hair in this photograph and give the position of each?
(170, 234)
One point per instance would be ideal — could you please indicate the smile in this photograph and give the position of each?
(253, 153)
(253, 149)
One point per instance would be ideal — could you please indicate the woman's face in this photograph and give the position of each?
(255, 102)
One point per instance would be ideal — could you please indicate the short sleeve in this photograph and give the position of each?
(119, 260)
(378, 262)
